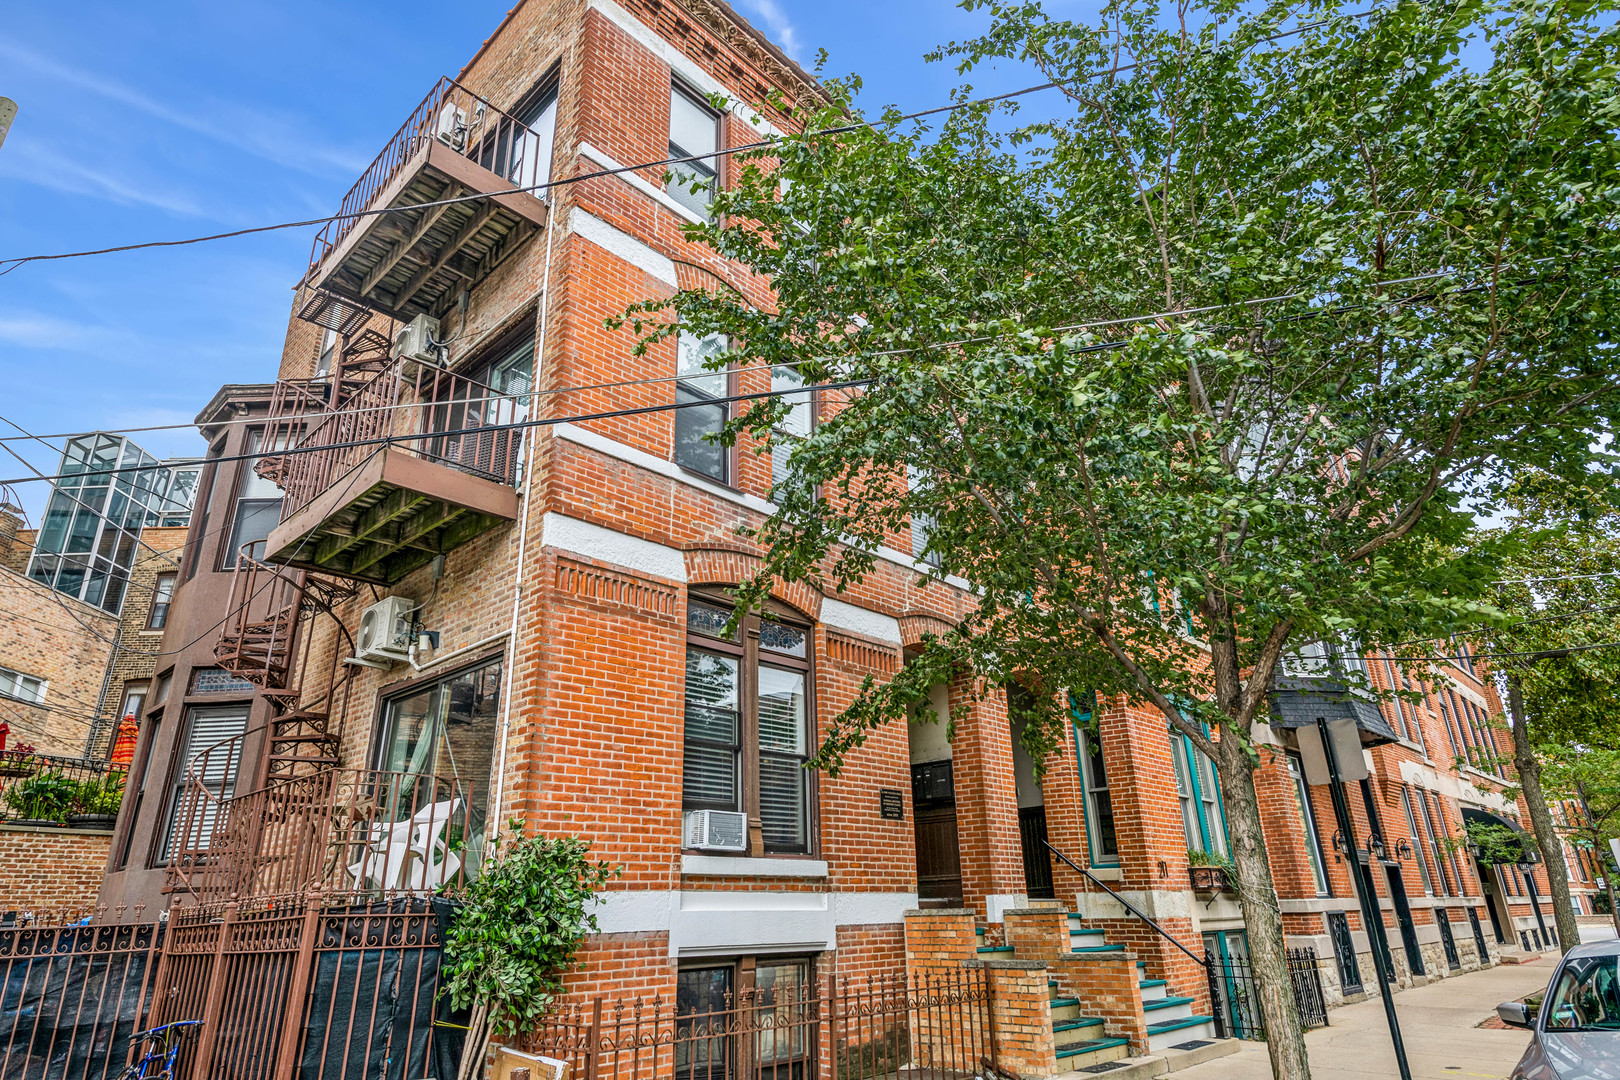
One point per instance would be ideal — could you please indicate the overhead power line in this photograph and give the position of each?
(843, 129)
(517, 425)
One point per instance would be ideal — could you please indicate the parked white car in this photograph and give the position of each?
(1577, 1029)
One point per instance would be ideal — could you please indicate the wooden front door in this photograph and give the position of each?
(939, 861)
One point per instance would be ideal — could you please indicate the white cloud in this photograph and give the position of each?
(27, 160)
(278, 139)
(777, 24)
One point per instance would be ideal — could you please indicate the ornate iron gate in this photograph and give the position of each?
(1344, 953)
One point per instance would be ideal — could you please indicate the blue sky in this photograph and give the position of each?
(172, 119)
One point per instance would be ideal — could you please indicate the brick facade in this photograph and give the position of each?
(51, 872)
(63, 641)
(585, 598)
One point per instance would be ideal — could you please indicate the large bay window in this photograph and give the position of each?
(748, 722)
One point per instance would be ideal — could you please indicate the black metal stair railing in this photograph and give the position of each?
(1127, 905)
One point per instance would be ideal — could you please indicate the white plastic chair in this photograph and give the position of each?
(393, 845)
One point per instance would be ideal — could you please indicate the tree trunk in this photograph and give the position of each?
(1285, 1037)
(1552, 845)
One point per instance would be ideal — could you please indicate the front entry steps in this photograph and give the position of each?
(1081, 1041)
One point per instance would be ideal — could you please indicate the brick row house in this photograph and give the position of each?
(488, 623)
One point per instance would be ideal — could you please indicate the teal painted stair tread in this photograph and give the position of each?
(1177, 1025)
(1143, 984)
(1084, 930)
(1087, 1047)
(1075, 1025)
(1059, 1003)
(1096, 948)
(994, 948)
(1164, 1003)
(1142, 964)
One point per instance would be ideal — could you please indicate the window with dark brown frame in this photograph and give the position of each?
(749, 712)
(162, 597)
(714, 1036)
(257, 506)
(700, 393)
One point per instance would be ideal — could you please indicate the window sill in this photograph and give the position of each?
(743, 866)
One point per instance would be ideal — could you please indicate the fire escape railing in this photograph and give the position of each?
(458, 119)
(418, 409)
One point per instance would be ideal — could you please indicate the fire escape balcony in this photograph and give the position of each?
(413, 463)
(455, 146)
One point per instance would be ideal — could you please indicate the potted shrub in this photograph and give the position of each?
(43, 799)
(18, 761)
(95, 806)
(1209, 873)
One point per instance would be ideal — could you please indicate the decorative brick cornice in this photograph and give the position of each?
(861, 654)
(602, 586)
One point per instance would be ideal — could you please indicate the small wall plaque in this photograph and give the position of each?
(891, 805)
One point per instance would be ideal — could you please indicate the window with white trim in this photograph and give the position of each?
(1307, 817)
(1100, 834)
(1417, 842)
(1202, 818)
(19, 687)
(213, 750)
(793, 427)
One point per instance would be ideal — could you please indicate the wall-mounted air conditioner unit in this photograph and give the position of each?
(716, 830)
(414, 341)
(451, 128)
(385, 631)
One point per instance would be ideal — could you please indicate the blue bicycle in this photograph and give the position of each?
(162, 1045)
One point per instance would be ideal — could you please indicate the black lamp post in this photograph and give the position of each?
(1331, 736)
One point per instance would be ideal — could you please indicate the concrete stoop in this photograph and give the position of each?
(1162, 1063)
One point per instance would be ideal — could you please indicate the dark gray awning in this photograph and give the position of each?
(1297, 702)
(1527, 845)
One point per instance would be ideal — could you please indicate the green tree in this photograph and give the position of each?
(1215, 363)
(1587, 779)
(1560, 588)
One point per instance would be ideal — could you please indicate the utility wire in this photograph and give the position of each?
(518, 425)
(660, 163)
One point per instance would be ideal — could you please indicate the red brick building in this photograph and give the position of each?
(530, 623)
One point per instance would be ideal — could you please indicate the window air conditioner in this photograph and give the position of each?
(414, 341)
(385, 630)
(716, 830)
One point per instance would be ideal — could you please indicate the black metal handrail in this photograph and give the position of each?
(1130, 907)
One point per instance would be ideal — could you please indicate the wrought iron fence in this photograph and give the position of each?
(348, 835)
(72, 997)
(282, 990)
(51, 791)
(923, 1027)
(1235, 1000)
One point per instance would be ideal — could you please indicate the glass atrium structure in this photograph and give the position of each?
(110, 489)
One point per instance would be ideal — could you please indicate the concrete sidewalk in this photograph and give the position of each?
(1437, 1022)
